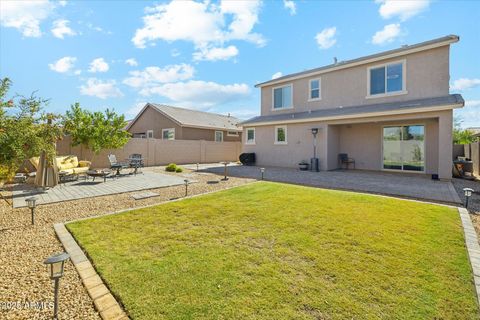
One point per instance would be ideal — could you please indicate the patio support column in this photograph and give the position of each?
(445, 145)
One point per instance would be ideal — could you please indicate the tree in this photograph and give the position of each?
(95, 130)
(462, 136)
(25, 130)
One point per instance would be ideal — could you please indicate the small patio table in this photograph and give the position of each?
(99, 173)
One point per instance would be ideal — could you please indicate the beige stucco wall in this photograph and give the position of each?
(151, 119)
(360, 138)
(427, 75)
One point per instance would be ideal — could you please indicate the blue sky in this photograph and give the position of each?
(209, 55)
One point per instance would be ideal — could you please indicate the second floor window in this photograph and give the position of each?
(282, 97)
(314, 89)
(250, 136)
(386, 79)
(218, 136)
(168, 134)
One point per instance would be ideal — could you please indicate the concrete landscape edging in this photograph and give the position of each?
(473, 248)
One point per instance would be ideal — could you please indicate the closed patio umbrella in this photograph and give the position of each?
(47, 173)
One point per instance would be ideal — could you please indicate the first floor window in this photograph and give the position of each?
(386, 79)
(168, 134)
(281, 134)
(218, 136)
(232, 133)
(250, 136)
(282, 97)
(314, 89)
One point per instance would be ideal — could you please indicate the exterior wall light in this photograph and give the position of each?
(468, 193)
(56, 264)
(32, 204)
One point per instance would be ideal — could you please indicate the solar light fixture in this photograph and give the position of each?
(262, 170)
(186, 186)
(197, 166)
(32, 204)
(468, 194)
(225, 178)
(56, 264)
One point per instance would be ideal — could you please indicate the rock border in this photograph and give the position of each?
(104, 301)
(473, 248)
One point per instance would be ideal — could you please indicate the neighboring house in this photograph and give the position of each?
(160, 121)
(388, 111)
(475, 130)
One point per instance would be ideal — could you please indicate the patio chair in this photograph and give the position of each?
(115, 165)
(136, 162)
(345, 160)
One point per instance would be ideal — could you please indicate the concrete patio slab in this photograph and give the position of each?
(395, 184)
(87, 189)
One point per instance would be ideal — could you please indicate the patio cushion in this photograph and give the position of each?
(66, 162)
(80, 169)
(84, 163)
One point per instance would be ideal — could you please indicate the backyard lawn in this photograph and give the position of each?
(278, 251)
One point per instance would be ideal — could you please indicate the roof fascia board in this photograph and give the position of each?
(355, 116)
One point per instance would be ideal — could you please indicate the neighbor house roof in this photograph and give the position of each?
(405, 49)
(361, 111)
(193, 118)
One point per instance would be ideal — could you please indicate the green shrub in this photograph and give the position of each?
(172, 167)
(179, 169)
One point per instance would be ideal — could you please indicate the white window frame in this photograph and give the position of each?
(246, 136)
(319, 89)
(273, 97)
(284, 127)
(232, 134)
(388, 94)
(150, 134)
(215, 135)
(168, 129)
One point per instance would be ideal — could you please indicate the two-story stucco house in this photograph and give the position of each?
(389, 111)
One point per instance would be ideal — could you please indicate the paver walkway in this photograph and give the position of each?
(396, 184)
(86, 189)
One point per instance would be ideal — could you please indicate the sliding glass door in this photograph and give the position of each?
(403, 148)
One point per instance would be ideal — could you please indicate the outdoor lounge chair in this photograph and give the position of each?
(345, 160)
(115, 165)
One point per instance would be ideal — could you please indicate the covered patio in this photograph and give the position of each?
(403, 185)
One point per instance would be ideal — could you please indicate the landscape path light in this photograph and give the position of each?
(262, 170)
(56, 264)
(225, 178)
(186, 186)
(468, 193)
(32, 204)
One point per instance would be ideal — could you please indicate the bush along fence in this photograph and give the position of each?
(470, 151)
(158, 151)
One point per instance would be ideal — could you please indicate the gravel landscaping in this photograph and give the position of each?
(24, 247)
(474, 202)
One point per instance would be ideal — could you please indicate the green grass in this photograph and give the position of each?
(277, 251)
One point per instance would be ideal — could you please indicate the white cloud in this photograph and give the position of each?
(244, 113)
(326, 38)
(463, 84)
(403, 9)
(212, 54)
(60, 29)
(25, 15)
(63, 65)
(131, 62)
(388, 34)
(98, 65)
(133, 111)
(204, 24)
(200, 94)
(175, 53)
(290, 5)
(152, 76)
(63, 3)
(276, 75)
(100, 89)
(77, 72)
(470, 114)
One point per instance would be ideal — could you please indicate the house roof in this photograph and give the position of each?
(193, 118)
(369, 110)
(405, 49)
